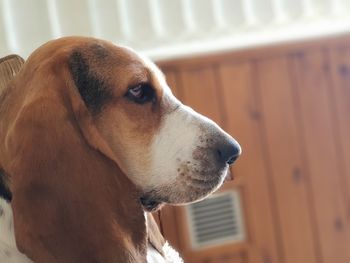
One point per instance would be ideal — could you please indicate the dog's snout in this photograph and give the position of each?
(229, 152)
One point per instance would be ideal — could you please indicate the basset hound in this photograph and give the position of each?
(91, 140)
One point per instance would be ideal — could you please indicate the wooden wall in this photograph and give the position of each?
(289, 107)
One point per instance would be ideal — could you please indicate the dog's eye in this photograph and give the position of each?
(141, 93)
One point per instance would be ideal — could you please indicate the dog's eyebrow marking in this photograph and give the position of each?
(92, 89)
(99, 50)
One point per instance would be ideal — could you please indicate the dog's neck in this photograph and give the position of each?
(100, 232)
(10, 254)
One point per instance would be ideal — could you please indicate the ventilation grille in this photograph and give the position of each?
(216, 220)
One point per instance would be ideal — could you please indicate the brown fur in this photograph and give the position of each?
(71, 199)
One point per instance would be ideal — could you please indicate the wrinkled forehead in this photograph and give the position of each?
(156, 74)
(145, 65)
(125, 67)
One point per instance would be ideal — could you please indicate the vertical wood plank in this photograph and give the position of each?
(199, 90)
(228, 258)
(222, 258)
(172, 78)
(289, 181)
(243, 122)
(313, 75)
(340, 64)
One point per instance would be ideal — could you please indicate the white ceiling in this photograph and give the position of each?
(169, 28)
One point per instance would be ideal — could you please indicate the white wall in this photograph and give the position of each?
(169, 28)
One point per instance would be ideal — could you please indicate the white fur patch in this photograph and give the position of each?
(8, 249)
(171, 256)
(175, 141)
(184, 167)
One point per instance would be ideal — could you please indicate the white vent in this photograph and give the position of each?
(216, 220)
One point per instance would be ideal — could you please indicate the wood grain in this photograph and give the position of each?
(321, 155)
(289, 178)
(244, 123)
(340, 96)
(199, 89)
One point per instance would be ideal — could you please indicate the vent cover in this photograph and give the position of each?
(216, 220)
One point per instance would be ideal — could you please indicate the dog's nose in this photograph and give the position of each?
(229, 152)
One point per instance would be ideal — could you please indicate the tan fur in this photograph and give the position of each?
(71, 203)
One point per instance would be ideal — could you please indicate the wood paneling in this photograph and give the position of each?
(257, 53)
(199, 89)
(244, 123)
(172, 78)
(340, 91)
(287, 174)
(289, 107)
(313, 90)
(229, 258)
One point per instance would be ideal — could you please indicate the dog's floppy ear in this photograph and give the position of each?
(71, 202)
(9, 67)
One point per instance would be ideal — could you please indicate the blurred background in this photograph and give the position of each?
(275, 74)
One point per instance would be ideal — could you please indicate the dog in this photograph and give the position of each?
(91, 139)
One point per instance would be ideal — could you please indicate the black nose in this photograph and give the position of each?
(229, 152)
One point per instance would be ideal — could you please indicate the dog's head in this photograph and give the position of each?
(170, 152)
(80, 115)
